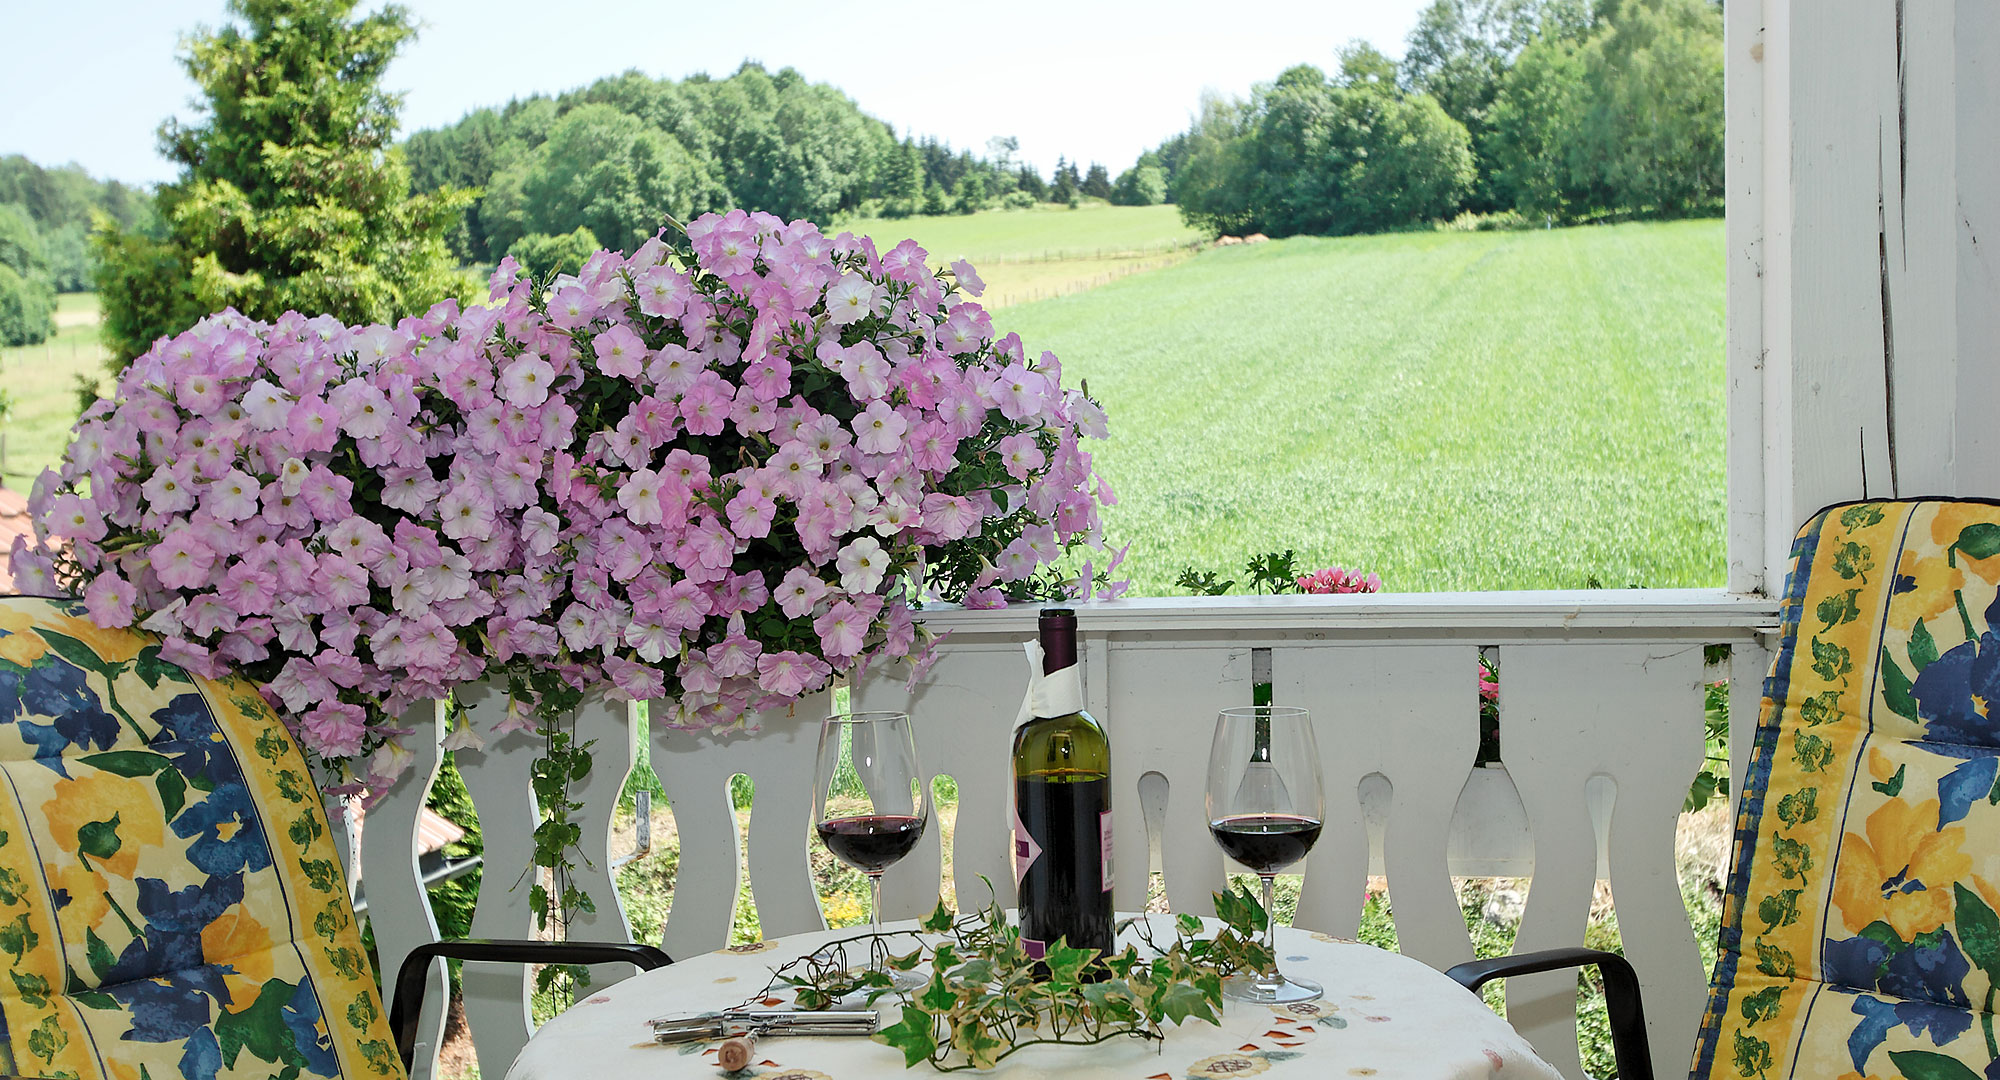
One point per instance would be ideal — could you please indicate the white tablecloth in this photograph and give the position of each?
(1384, 1015)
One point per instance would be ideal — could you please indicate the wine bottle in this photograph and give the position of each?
(1062, 805)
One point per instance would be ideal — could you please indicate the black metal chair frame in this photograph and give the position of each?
(406, 1004)
(1621, 996)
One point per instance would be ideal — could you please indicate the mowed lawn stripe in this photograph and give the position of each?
(1451, 410)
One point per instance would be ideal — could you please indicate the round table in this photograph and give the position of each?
(1384, 1015)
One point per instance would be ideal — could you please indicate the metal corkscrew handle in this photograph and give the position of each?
(701, 1027)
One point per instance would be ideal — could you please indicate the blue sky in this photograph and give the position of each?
(90, 80)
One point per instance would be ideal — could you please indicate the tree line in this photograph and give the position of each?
(607, 163)
(46, 215)
(1551, 110)
(293, 193)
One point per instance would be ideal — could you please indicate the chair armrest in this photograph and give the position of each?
(407, 1003)
(1621, 996)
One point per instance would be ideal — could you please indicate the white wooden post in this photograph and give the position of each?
(1864, 289)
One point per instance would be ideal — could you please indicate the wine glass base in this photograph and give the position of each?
(1272, 990)
(907, 982)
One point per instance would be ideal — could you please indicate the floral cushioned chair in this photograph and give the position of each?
(171, 904)
(1861, 927)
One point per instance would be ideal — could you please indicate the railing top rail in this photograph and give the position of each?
(1676, 612)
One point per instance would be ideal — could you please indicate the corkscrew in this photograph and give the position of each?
(732, 1023)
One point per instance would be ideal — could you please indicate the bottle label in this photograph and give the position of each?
(1104, 844)
(1026, 851)
(1035, 949)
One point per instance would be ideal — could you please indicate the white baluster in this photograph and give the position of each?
(609, 725)
(780, 757)
(498, 779)
(1161, 714)
(964, 712)
(695, 774)
(1630, 713)
(1411, 713)
(398, 909)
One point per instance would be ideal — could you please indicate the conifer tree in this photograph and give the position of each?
(290, 196)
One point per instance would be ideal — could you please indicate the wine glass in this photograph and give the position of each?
(870, 804)
(1265, 810)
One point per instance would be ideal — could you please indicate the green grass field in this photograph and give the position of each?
(42, 379)
(1451, 410)
(1050, 251)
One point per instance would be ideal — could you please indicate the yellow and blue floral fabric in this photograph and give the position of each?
(171, 905)
(1861, 928)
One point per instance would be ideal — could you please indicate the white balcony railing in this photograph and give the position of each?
(1601, 732)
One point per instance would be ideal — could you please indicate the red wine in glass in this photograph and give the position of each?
(1265, 843)
(872, 843)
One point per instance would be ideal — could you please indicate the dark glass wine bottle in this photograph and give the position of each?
(1062, 800)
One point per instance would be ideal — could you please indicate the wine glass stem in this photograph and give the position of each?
(1271, 921)
(875, 883)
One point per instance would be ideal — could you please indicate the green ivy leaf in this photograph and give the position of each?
(937, 998)
(1929, 1065)
(914, 1036)
(1065, 963)
(1183, 1000)
(939, 920)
